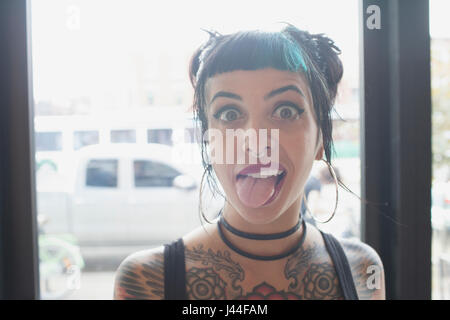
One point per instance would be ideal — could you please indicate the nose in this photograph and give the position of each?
(257, 149)
(257, 145)
(258, 141)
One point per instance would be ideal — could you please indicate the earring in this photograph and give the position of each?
(335, 206)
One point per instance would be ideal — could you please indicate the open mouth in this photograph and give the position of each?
(256, 187)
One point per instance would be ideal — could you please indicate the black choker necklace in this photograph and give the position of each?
(257, 257)
(255, 236)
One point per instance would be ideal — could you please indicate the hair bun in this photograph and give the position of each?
(328, 61)
(324, 54)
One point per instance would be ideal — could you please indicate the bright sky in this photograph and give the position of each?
(88, 47)
(439, 18)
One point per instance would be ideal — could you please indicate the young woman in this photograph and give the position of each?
(260, 247)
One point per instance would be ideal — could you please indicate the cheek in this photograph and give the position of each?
(300, 142)
(300, 147)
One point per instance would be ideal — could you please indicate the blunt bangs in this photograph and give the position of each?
(253, 50)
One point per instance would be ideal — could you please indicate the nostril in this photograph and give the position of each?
(262, 153)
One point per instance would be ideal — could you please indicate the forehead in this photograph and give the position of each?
(255, 82)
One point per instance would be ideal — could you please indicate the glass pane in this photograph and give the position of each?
(85, 138)
(111, 77)
(153, 174)
(440, 191)
(101, 173)
(48, 141)
(122, 136)
(163, 136)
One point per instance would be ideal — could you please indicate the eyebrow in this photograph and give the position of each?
(268, 96)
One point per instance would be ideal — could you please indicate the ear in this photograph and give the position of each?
(319, 154)
(319, 150)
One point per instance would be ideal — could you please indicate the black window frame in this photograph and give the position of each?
(395, 126)
(396, 144)
(19, 269)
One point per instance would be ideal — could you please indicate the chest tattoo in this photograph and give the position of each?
(217, 276)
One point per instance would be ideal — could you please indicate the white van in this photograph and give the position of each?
(129, 195)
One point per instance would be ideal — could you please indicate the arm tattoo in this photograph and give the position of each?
(361, 257)
(154, 275)
(138, 280)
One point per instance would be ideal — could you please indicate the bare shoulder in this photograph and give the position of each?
(367, 269)
(141, 276)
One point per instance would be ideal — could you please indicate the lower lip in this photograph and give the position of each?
(277, 191)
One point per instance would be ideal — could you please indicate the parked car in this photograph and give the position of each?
(127, 195)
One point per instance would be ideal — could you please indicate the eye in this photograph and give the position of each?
(288, 111)
(227, 114)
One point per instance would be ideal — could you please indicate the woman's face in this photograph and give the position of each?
(263, 99)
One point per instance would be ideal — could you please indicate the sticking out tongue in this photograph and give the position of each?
(254, 192)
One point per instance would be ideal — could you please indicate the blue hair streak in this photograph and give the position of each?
(251, 50)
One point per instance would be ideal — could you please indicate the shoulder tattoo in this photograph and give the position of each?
(138, 278)
(367, 269)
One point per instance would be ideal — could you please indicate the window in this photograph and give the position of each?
(149, 86)
(84, 138)
(102, 173)
(71, 25)
(123, 136)
(48, 141)
(163, 136)
(440, 190)
(153, 174)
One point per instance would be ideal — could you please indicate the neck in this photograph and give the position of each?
(285, 221)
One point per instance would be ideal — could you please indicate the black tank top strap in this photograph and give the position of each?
(174, 271)
(341, 265)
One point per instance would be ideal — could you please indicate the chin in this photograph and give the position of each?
(261, 215)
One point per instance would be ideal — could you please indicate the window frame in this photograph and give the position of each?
(396, 139)
(19, 259)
